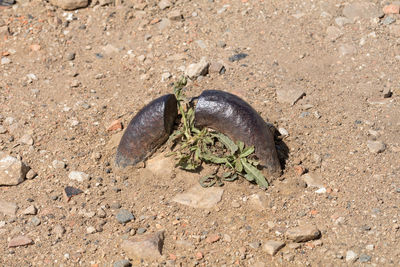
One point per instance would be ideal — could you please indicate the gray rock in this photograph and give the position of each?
(163, 4)
(12, 170)
(199, 197)
(303, 233)
(78, 176)
(122, 263)
(376, 146)
(313, 180)
(364, 258)
(147, 246)
(347, 49)
(5, 60)
(8, 208)
(70, 4)
(31, 210)
(272, 246)
(35, 221)
(201, 44)
(351, 256)
(124, 216)
(362, 10)
(388, 20)
(289, 95)
(197, 69)
(141, 230)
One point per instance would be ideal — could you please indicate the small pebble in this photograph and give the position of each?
(124, 216)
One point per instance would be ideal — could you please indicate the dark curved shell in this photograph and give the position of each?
(235, 118)
(149, 129)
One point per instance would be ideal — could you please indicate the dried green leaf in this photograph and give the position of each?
(249, 177)
(247, 152)
(207, 181)
(226, 174)
(212, 158)
(231, 179)
(240, 144)
(227, 142)
(253, 171)
(238, 165)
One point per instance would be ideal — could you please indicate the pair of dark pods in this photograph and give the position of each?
(218, 110)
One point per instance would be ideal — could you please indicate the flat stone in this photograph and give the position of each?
(78, 176)
(197, 69)
(272, 246)
(114, 141)
(303, 233)
(362, 10)
(313, 180)
(258, 202)
(391, 9)
(8, 208)
(351, 256)
(289, 95)
(124, 216)
(199, 197)
(147, 246)
(70, 4)
(31, 210)
(122, 263)
(376, 146)
(20, 241)
(12, 170)
(175, 15)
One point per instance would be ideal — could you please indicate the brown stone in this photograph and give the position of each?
(145, 247)
(20, 241)
(391, 9)
(303, 233)
(70, 4)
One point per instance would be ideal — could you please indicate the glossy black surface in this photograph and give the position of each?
(150, 128)
(235, 118)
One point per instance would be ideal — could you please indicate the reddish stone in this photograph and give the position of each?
(212, 238)
(199, 255)
(115, 126)
(172, 257)
(391, 9)
(20, 241)
(35, 47)
(299, 170)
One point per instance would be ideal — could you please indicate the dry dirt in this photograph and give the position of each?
(123, 54)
